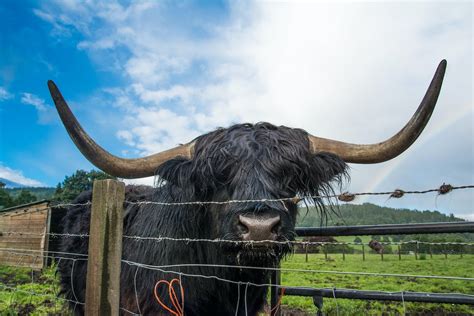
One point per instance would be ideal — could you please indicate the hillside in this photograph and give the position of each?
(10, 184)
(370, 214)
(40, 193)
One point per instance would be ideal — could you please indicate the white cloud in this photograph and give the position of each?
(349, 71)
(31, 99)
(469, 217)
(45, 113)
(4, 94)
(17, 176)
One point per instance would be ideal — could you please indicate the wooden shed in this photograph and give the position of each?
(24, 234)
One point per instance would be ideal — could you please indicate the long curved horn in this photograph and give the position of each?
(113, 165)
(394, 146)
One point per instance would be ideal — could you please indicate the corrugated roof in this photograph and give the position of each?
(23, 205)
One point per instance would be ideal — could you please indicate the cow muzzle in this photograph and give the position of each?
(255, 228)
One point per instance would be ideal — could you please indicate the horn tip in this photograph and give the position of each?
(443, 63)
(51, 85)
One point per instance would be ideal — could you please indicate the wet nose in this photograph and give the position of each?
(257, 228)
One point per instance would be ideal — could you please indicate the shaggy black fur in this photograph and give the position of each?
(242, 162)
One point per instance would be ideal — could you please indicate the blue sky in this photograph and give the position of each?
(144, 76)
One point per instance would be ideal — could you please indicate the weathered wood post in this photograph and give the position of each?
(399, 253)
(363, 252)
(381, 255)
(105, 248)
(417, 249)
(325, 252)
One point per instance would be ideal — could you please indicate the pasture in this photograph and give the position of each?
(453, 266)
(24, 302)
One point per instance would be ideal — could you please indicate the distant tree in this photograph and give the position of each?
(5, 198)
(76, 183)
(358, 240)
(24, 197)
(59, 190)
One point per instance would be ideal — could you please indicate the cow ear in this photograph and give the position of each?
(176, 171)
(329, 167)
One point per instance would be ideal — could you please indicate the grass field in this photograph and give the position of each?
(20, 302)
(453, 266)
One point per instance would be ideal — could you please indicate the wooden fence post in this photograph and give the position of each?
(325, 252)
(399, 253)
(105, 248)
(363, 253)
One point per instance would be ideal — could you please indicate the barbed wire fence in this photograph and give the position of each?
(20, 293)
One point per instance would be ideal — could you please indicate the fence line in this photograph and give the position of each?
(344, 197)
(153, 267)
(388, 229)
(279, 269)
(251, 242)
(398, 193)
(450, 298)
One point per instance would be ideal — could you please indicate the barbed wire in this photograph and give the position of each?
(375, 274)
(280, 269)
(344, 197)
(244, 242)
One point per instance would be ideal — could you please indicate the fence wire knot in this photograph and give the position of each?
(346, 197)
(445, 188)
(398, 193)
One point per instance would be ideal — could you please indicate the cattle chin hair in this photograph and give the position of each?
(268, 258)
(262, 256)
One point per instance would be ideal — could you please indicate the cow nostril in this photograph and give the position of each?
(242, 228)
(276, 228)
(257, 228)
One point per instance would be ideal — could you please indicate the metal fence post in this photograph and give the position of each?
(274, 293)
(306, 251)
(105, 248)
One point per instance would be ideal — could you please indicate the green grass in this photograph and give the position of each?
(454, 266)
(46, 283)
(27, 292)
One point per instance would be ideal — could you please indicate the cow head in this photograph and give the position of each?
(257, 163)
